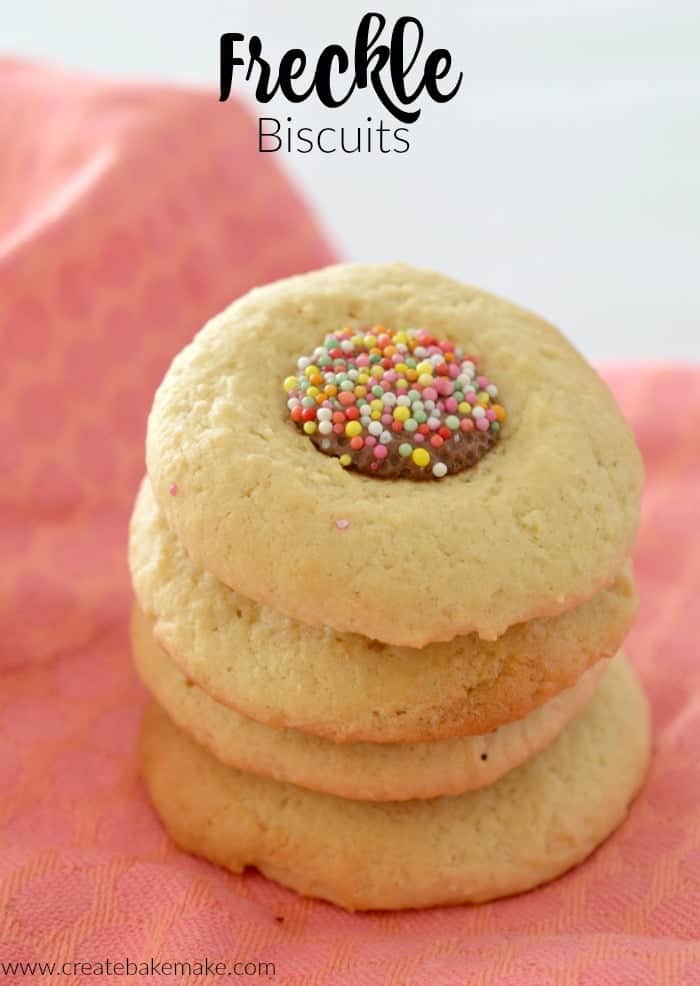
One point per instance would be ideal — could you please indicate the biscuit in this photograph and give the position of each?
(544, 520)
(530, 826)
(345, 687)
(365, 771)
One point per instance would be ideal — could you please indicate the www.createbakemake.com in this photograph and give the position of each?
(334, 79)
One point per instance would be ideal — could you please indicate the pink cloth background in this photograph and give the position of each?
(128, 214)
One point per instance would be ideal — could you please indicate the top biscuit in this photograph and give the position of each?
(539, 524)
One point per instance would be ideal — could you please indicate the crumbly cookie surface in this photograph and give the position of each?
(530, 826)
(540, 524)
(343, 686)
(366, 771)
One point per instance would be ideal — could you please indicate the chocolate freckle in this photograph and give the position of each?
(395, 405)
(473, 446)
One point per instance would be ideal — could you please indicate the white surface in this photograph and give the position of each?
(564, 175)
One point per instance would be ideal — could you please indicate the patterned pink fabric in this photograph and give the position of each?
(127, 215)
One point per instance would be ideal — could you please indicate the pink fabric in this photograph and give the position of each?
(128, 214)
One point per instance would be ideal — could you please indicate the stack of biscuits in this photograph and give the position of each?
(382, 579)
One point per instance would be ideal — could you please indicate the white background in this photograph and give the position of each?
(565, 174)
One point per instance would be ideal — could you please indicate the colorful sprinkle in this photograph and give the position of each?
(421, 457)
(395, 403)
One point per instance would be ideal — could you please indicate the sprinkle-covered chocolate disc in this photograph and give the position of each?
(395, 403)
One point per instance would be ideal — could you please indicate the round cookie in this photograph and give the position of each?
(530, 826)
(542, 522)
(343, 686)
(367, 771)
